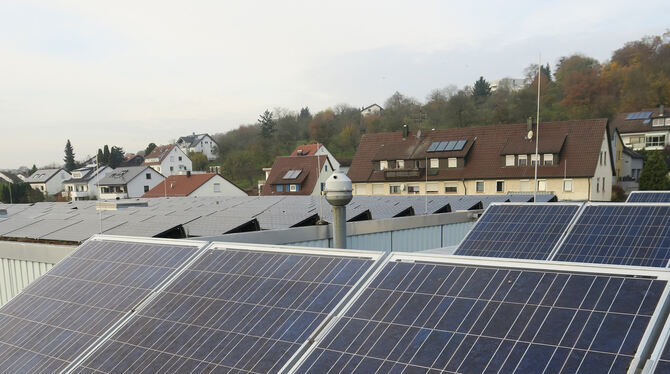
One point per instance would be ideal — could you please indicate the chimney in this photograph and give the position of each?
(529, 124)
(661, 110)
(299, 152)
(188, 173)
(194, 133)
(405, 131)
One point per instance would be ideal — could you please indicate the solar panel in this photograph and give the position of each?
(638, 115)
(518, 230)
(292, 174)
(441, 147)
(459, 145)
(233, 310)
(58, 316)
(649, 197)
(432, 146)
(433, 316)
(623, 234)
(450, 145)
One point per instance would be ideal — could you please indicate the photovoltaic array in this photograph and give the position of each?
(231, 311)
(663, 364)
(432, 317)
(527, 231)
(57, 317)
(623, 234)
(649, 197)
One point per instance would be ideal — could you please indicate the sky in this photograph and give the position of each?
(128, 73)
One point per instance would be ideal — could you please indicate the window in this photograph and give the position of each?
(69, 188)
(524, 185)
(323, 186)
(377, 189)
(294, 188)
(500, 186)
(361, 189)
(394, 189)
(325, 167)
(413, 189)
(479, 186)
(660, 122)
(383, 165)
(509, 160)
(450, 187)
(179, 158)
(146, 188)
(533, 159)
(548, 159)
(148, 175)
(171, 168)
(432, 188)
(280, 188)
(523, 160)
(434, 163)
(541, 184)
(598, 184)
(451, 162)
(567, 185)
(400, 164)
(655, 141)
(217, 187)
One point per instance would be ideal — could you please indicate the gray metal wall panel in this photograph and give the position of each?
(380, 241)
(321, 243)
(417, 239)
(15, 275)
(453, 234)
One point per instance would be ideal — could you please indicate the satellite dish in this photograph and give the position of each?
(402, 187)
(530, 135)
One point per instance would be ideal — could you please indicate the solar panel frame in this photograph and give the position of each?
(644, 348)
(649, 197)
(659, 362)
(374, 256)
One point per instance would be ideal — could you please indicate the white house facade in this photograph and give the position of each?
(83, 184)
(48, 181)
(169, 160)
(199, 143)
(129, 182)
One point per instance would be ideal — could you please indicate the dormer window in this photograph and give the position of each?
(534, 159)
(548, 159)
(523, 160)
(509, 160)
(452, 162)
(400, 164)
(383, 165)
(434, 163)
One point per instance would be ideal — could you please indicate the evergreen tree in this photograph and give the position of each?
(33, 169)
(69, 157)
(116, 157)
(100, 157)
(105, 155)
(482, 89)
(546, 71)
(267, 124)
(654, 175)
(149, 149)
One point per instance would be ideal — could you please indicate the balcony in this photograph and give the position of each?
(407, 173)
(113, 195)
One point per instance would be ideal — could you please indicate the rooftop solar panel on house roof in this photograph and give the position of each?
(459, 145)
(55, 319)
(441, 147)
(638, 115)
(433, 316)
(233, 310)
(528, 231)
(433, 146)
(623, 234)
(450, 145)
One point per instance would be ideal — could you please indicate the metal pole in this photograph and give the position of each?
(537, 126)
(339, 226)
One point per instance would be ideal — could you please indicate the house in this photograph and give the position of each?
(8, 177)
(83, 184)
(168, 160)
(510, 84)
(131, 159)
(316, 149)
(206, 184)
(574, 161)
(627, 163)
(199, 143)
(48, 181)
(129, 182)
(370, 110)
(647, 129)
(297, 175)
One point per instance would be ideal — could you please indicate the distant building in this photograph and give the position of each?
(132, 160)
(168, 160)
(129, 182)
(373, 109)
(297, 175)
(647, 129)
(48, 181)
(510, 84)
(574, 161)
(199, 185)
(83, 184)
(8, 177)
(199, 143)
(627, 163)
(315, 149)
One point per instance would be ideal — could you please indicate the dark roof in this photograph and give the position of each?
(370, 106)
(632, 153)
(638, 124)
(87, 173)
(308, 166)
(133, 160)
(579, 143)
(192, 140)
(160, 153)
(122, 175)
(179, 185)
(42, 176)
(13, 178)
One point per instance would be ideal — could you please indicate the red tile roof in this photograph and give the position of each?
(307, 149)
(579, 143)
(160, 153)
(309, 167)
(179, 185)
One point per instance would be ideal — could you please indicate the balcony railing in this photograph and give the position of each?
(402, 173)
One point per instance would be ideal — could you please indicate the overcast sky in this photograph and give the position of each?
(128, 73)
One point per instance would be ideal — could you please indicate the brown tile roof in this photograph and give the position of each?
(579, 143)
(179, 185)
(637, 125)
(307, 149)
(160, 153)
(307, 178)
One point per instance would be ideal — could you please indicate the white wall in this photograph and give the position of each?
(136, 186)
(55, 184)
(324, 151)
(225, 188)
(603, 176)
(326, 171)
(172, 161)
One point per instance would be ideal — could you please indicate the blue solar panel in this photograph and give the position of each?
(427, 317)
(441, 147)
(450, 145)
(528, 231)
(638, 115)
(58, 316)
(663, 365)
(623, 234)
(649, 197)
(433, 146)
(238, 311)
(459, 145)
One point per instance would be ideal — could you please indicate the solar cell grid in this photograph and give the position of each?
(623, 234)
(233, 310)
(428, 317)
(58, 316)
(528, 231)
(649, 197)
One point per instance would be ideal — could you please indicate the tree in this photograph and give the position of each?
(267, 124)
(105, 155)
(33, 169)
(198, 160)
(149, 149)
(116, 157)
(654, 175)
(482, 89)
(101, 157)
(69, 157)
